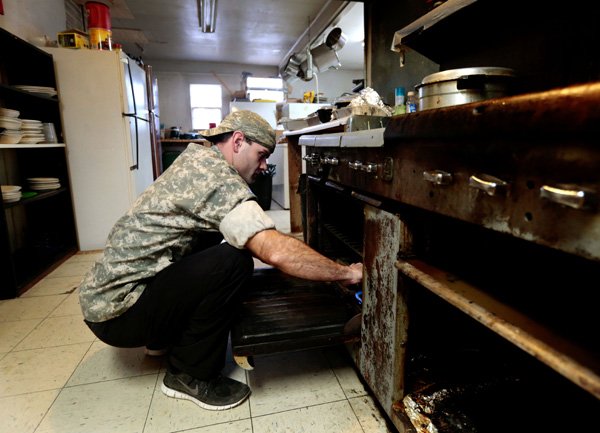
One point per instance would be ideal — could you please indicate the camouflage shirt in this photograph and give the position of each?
(200, 192)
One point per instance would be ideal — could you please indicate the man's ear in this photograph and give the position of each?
(238, 140)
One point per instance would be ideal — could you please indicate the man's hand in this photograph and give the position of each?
(356, 270)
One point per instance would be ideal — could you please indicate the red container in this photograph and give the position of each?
(99, 26)
(98, 15)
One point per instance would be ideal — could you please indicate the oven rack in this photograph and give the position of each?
(348, 240)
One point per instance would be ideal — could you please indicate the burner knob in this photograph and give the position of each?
(369, 167)
(331, 160)
(356, 165)
(312, 159)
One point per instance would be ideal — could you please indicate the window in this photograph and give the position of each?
(206, 102)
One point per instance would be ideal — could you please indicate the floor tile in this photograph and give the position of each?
(346, 373)
(57, 331)
(69, 307)
(173, 415)
(103, 362)
(39, 369)
(336, 417)
(370, 416)
(113, 406)
(23, 413)
(281, 219)
(11, 333)
(292, 380)
(84, 256)
(54, 286)
(29, 308)
(242, 426)
(72, 269)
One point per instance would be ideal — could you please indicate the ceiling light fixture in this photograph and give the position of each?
(207, 14)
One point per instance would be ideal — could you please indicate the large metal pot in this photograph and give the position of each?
(461, 86)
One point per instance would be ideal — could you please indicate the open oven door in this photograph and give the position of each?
(281, 313)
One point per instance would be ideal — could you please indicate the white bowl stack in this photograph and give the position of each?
(43, 183)
(11, 193)
(9, 120)
(32, 131)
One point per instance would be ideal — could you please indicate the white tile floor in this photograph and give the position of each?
(55, 376)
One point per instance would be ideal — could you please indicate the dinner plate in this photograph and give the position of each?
(41, 187)
(42, 179)
(29, 140)
(42, 91)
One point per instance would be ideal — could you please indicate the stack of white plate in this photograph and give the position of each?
(9, 119)
(11, 193)
(38, 90)
(32, 131)
(43, 183)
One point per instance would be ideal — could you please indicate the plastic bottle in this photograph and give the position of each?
(411, 102)
(400, 101)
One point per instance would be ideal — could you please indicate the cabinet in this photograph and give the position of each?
(38, 232)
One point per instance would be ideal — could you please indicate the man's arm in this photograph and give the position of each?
(296, 258)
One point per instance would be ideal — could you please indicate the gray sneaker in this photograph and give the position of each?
(219, 393)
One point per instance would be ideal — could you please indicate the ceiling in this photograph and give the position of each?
(255, 32)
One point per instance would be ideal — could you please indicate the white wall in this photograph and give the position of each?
(29, 19)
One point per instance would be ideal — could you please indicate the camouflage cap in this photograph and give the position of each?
(251, 124)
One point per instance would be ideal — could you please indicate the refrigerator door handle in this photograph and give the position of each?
(134, 115)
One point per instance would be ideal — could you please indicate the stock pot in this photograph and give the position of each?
(461, 86)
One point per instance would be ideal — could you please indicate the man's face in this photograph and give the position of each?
(250, 160)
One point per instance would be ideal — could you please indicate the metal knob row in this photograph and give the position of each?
(569, 195)
(316, 159)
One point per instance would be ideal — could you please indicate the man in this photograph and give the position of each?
(166, 279)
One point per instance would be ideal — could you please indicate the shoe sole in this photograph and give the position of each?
(155, 352)
(178, 394)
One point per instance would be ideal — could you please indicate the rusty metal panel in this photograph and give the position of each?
(384, 310)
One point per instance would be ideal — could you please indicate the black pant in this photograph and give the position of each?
(189, 306)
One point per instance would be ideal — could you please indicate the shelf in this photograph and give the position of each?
(40, 196)
(429, 19)
(573, 362)
(31, 146)
(29, 94)
(36, 233)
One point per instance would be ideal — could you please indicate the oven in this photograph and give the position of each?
(479, 229)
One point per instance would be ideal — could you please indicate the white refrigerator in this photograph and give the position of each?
(104, 104)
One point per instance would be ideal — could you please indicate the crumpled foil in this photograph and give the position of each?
(370, 98)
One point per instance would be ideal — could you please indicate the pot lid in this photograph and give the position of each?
(453, 74)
